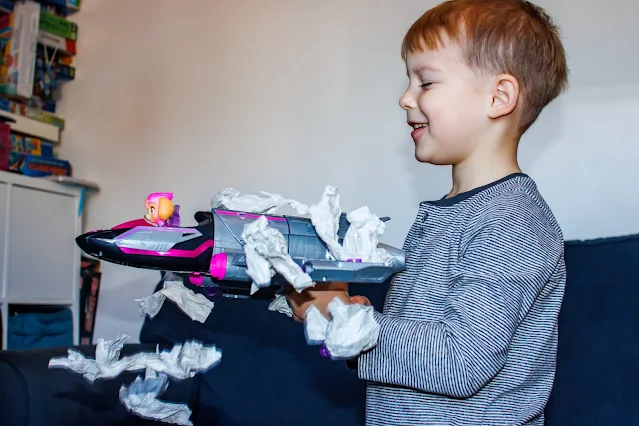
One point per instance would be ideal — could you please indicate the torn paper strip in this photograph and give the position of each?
(141, 399)
(265, 246)
(181, 362)
(280, 304)
(351, 330)
(195, 305)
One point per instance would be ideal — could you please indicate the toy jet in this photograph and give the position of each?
(214, 246)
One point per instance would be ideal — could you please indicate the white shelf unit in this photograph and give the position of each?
(39, 259)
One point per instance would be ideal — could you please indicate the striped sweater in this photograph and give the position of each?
(469, 330)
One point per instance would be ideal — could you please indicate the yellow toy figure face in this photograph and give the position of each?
(152, 213)
(159, 209)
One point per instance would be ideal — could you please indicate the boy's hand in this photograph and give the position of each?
(362, 300)
(320, 295)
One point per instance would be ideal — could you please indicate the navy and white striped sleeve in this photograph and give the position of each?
(503, 269)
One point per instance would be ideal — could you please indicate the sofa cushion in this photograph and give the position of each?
(597, 366)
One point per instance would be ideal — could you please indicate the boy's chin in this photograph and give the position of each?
(430, 158)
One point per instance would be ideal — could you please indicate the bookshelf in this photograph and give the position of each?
(41, 201)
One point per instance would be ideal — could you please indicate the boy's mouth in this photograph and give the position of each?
(418, 129)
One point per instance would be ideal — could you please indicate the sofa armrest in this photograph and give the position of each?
(34, 395)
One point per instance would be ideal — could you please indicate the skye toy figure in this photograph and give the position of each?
(215, 248)
(160, 209)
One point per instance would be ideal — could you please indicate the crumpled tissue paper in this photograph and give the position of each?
(141, 399)
(181, 362)
(195, 305)
(351, 330)
(266, 248)
(262, 203)
(267, 244)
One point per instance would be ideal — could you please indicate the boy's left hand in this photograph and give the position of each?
(361, 300)
(321, 295)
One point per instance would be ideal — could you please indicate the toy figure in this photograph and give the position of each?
(161, 211)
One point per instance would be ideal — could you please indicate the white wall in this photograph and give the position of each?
(290, 95)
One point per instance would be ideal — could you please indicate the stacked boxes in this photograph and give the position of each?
(38, 43)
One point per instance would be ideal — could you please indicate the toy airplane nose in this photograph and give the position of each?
(92, 243)
(167, 248)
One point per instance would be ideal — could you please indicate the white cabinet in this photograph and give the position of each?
(39, 259)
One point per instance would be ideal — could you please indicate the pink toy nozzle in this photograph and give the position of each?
(218, 266)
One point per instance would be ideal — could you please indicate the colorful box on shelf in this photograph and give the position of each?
(64, 7)
(47, 82)
(62, 73)
(33, 113)
(67, 5)
(57, 25)
(20, 33)
(37, 166)
(18, 39)
(63, 45)
(21, 144)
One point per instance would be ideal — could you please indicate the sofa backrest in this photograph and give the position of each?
(598, 360)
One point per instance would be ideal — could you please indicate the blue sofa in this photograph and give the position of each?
(269, 376)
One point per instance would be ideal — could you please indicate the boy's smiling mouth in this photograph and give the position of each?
(418, 129)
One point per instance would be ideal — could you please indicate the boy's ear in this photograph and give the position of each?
(505, 96)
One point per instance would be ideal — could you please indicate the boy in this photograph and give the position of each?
(469, 331)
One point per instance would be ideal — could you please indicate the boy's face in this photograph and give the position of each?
(446, 104)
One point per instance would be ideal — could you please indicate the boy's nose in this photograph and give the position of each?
(407, 101)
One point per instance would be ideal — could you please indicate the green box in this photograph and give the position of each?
(57, 25)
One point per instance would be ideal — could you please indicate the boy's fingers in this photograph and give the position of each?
(360, 300)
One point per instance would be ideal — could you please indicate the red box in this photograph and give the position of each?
(5, 142)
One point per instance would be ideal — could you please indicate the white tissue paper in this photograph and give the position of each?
(362, 237)
(360, 241)
(141, 399)
(262, 203)
(351, 330)
(266, 248)
(195, 305)
(181, 362)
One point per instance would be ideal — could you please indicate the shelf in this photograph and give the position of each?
(74, 182)
(37, 183)
(34, 128)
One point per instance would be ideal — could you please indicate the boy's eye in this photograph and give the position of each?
(425, 85)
